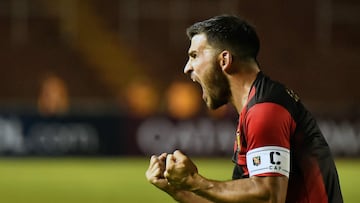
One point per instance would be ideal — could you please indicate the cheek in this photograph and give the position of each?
(210, 80)
(199, 68)
(218, 83)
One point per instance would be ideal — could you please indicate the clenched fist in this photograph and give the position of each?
(155, 172)
(179, 170)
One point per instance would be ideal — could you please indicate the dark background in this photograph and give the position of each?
(99, 48)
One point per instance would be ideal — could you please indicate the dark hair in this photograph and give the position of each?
(228, 32)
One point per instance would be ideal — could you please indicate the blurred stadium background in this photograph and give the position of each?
(89, 89)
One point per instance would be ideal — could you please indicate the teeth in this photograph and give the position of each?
(193, 78)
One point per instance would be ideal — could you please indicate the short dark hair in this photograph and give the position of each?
(228, 32)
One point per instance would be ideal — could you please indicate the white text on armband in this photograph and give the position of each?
(269, 159)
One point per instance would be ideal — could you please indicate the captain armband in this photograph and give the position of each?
(269, 159)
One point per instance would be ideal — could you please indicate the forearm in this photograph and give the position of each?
(229, 191)
(254, 189)
(188, 197)
(182, 175)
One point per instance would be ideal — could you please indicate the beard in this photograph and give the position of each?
(216, 88)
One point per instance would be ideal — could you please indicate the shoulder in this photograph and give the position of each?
(266, 90)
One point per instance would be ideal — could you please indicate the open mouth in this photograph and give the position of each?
(196, 80)
(193, 78)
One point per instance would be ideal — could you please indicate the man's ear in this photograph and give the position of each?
(225, 61)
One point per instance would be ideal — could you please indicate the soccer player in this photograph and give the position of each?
(280, 154)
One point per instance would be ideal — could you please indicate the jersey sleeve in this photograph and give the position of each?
(268, 127)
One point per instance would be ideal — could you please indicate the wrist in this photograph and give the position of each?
(196, 183)
(176, 193)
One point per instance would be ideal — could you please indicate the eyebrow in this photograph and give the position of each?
(191, 53)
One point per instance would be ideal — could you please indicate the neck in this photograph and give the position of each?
(240, 84)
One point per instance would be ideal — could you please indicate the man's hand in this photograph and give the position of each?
(155, 172)
(179, 170)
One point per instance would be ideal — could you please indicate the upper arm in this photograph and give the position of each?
(268, 128)
(268, 124)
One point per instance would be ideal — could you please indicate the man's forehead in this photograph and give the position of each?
(199, 42)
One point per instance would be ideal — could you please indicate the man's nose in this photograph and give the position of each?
(187, 68)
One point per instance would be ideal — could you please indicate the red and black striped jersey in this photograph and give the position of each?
(278, 136)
